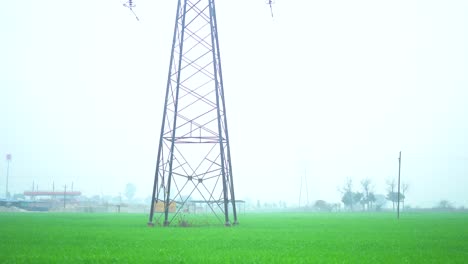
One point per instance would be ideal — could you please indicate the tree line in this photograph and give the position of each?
(366, 199)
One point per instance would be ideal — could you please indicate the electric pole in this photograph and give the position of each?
(64, 197)
(399, 170)
(8, 158)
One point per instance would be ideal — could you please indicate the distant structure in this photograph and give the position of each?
(46, 200)
(50, 195)
(194, 158)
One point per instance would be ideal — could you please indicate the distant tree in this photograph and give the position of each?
(282, 204)
(130, 190)
(380, 201)
(347, 199)
(371, 200)
(404, 191)
(391, 184)
(348, 187)
(357, 197)
(393, 196)
(347, 193)
(336, 207)
(444, 205)
(321, 205)
(350, 198)
(368, 196)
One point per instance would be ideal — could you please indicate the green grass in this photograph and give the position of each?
(260, 238)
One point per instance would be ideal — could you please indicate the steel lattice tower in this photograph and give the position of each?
(194, 160)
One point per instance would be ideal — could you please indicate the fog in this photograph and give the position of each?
(327, 89)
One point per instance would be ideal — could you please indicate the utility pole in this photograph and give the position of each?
(8, 158)
(300, 193)
(306, 187)
(32, 197)
(120, 201)
(399, 170)
(64, 197)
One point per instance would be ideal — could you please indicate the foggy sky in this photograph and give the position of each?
(327, 89)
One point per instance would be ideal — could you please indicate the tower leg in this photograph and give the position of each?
(160, 173)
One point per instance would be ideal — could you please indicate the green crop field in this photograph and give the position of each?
(260, 238)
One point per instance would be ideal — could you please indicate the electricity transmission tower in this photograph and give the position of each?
(194, 160)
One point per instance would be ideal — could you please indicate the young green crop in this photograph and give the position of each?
(260, 238)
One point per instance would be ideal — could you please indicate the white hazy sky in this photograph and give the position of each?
(335, 88)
